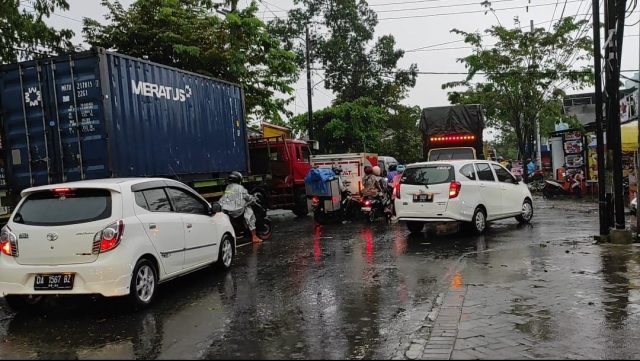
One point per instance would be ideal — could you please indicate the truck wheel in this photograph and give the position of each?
(300, 209)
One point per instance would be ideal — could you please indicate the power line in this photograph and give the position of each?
(52, 13)
(462, 40)
(471, 12)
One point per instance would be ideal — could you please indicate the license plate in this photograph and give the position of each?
(56, 281)
(421, 198)
(366, 209)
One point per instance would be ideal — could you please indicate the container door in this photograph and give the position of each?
(77, 125)
(53, 121)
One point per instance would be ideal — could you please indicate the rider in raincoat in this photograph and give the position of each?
(236, 200)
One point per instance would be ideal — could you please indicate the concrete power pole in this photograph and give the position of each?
(597, 67)
(614, 25)
(538, 141)
(310, 106)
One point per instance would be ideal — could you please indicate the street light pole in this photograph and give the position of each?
(310, 106)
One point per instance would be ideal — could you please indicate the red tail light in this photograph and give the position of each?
(397, 191)
(315, 200)
(8, 242)
(109, 238)
(454, 189)
(366, 203)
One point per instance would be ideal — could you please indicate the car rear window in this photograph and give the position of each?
(426, 175)
(451, 154)
(50, 208)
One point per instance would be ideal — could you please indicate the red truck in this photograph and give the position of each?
(277, 169)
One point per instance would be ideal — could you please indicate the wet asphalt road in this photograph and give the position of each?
(337, 291)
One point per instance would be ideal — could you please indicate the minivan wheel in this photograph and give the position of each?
(19, 303)
(225, 255)
(478, 222)
(527, 212)
(415, 227)
(144, 282)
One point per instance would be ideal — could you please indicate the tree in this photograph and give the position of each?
(24, 33)
(353, 66)
(347, 127)
(524, 75)
(188, 34)
(404, 140)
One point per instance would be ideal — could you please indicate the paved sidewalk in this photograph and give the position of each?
(568, 300)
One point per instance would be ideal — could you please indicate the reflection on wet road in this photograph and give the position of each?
(336, 291)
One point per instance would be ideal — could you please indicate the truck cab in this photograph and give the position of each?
(281, 165)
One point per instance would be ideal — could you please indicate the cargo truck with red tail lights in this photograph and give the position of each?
(452, 132)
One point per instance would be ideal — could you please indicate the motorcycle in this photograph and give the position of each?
(264, 228)
(346, 211)
(535, 181)
(554, 188)
(373, 207)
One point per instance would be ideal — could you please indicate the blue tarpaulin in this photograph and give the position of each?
(317, 178)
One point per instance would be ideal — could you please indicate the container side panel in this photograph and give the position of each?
(166, 122)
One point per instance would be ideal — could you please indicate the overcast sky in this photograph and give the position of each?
(418, 27)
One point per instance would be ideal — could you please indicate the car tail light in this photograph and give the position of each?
(109, 238)
(454, 189)
(397, 191)
(8, 242)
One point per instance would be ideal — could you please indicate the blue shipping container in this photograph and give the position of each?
(99, 114)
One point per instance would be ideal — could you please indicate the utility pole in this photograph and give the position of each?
(310, 106)
(614, 25)
(638, 150)
(538, 141)
(597, 67)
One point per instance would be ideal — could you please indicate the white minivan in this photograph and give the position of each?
(112, 237)
(469, 191)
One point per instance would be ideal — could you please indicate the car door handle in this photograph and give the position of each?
(152, 226)
(189, 225)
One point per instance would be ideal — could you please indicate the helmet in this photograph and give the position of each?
(368, 169)
(337, 170)
(377, 171)
(393, 167)
(234, 177)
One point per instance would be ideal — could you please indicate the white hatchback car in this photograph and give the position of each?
(112, 237)
(470, 191)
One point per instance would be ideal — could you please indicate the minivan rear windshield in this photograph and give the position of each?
(451, 154)
(427, 175)
(69, 206)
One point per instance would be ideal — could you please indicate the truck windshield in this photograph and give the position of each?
(451, 154)
(427, 175)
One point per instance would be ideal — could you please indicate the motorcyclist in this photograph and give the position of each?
(370, 183)
(236, 200)
(392, 173)
(383, 186)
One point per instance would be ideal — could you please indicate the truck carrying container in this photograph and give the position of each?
(98, 114)
(452, 132)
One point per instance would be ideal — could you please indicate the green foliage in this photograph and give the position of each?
(523, 76)
(342, 42)
(404, 140)
(356, 126)
(189, 34)
(24, 33)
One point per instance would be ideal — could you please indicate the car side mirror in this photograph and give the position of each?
(215, 208)
(518, 179)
